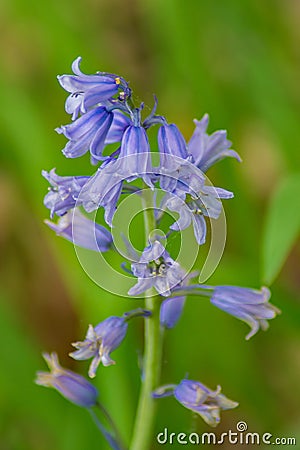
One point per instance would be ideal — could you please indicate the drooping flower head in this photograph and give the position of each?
(249, 305)
(103, 190)
(188, 194)
(64, 192)
(194, 208)
(171, 144)
(119, 124)
(88, 133)
(134, 160)
(103, 339)
(94, 97)
(198, 398)
(80, 230)
(70, 385)
(209, 149)
(100, 342)
(87, 91)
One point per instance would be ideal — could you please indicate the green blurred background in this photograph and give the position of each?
(240, 62)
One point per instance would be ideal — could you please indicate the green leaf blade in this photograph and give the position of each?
(282, 227)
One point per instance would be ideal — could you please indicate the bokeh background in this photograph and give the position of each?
(238, 61)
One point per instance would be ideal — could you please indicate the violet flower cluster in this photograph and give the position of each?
(107, 125)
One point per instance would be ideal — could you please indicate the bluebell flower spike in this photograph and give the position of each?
(103, 113)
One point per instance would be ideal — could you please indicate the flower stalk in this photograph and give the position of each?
(142, 433)
(114, 440)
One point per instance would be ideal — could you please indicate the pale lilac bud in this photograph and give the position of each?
(70, 385)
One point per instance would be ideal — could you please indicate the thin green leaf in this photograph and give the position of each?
(282, 227)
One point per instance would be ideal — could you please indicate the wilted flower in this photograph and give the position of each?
(250, 305)
(80, 230)
(64, 192)
(156, 269)
(70, 385)
(199, 399)
(209, 149)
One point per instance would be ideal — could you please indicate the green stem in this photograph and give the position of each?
(142, 434)
(113, 441)
(112, 425)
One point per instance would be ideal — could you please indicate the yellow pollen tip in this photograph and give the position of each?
(117, 80)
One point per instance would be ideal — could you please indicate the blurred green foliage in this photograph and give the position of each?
(282, 226)
(238, 61)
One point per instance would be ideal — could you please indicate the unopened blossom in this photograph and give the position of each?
(171, 310)
(249, 305)
(171, 143)
(80, 230)
(208, 149)
(156, 269)
(70, 385)
(134, 160)
(100, 341)
(64, 192)
(87, 91)
(198, 398)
